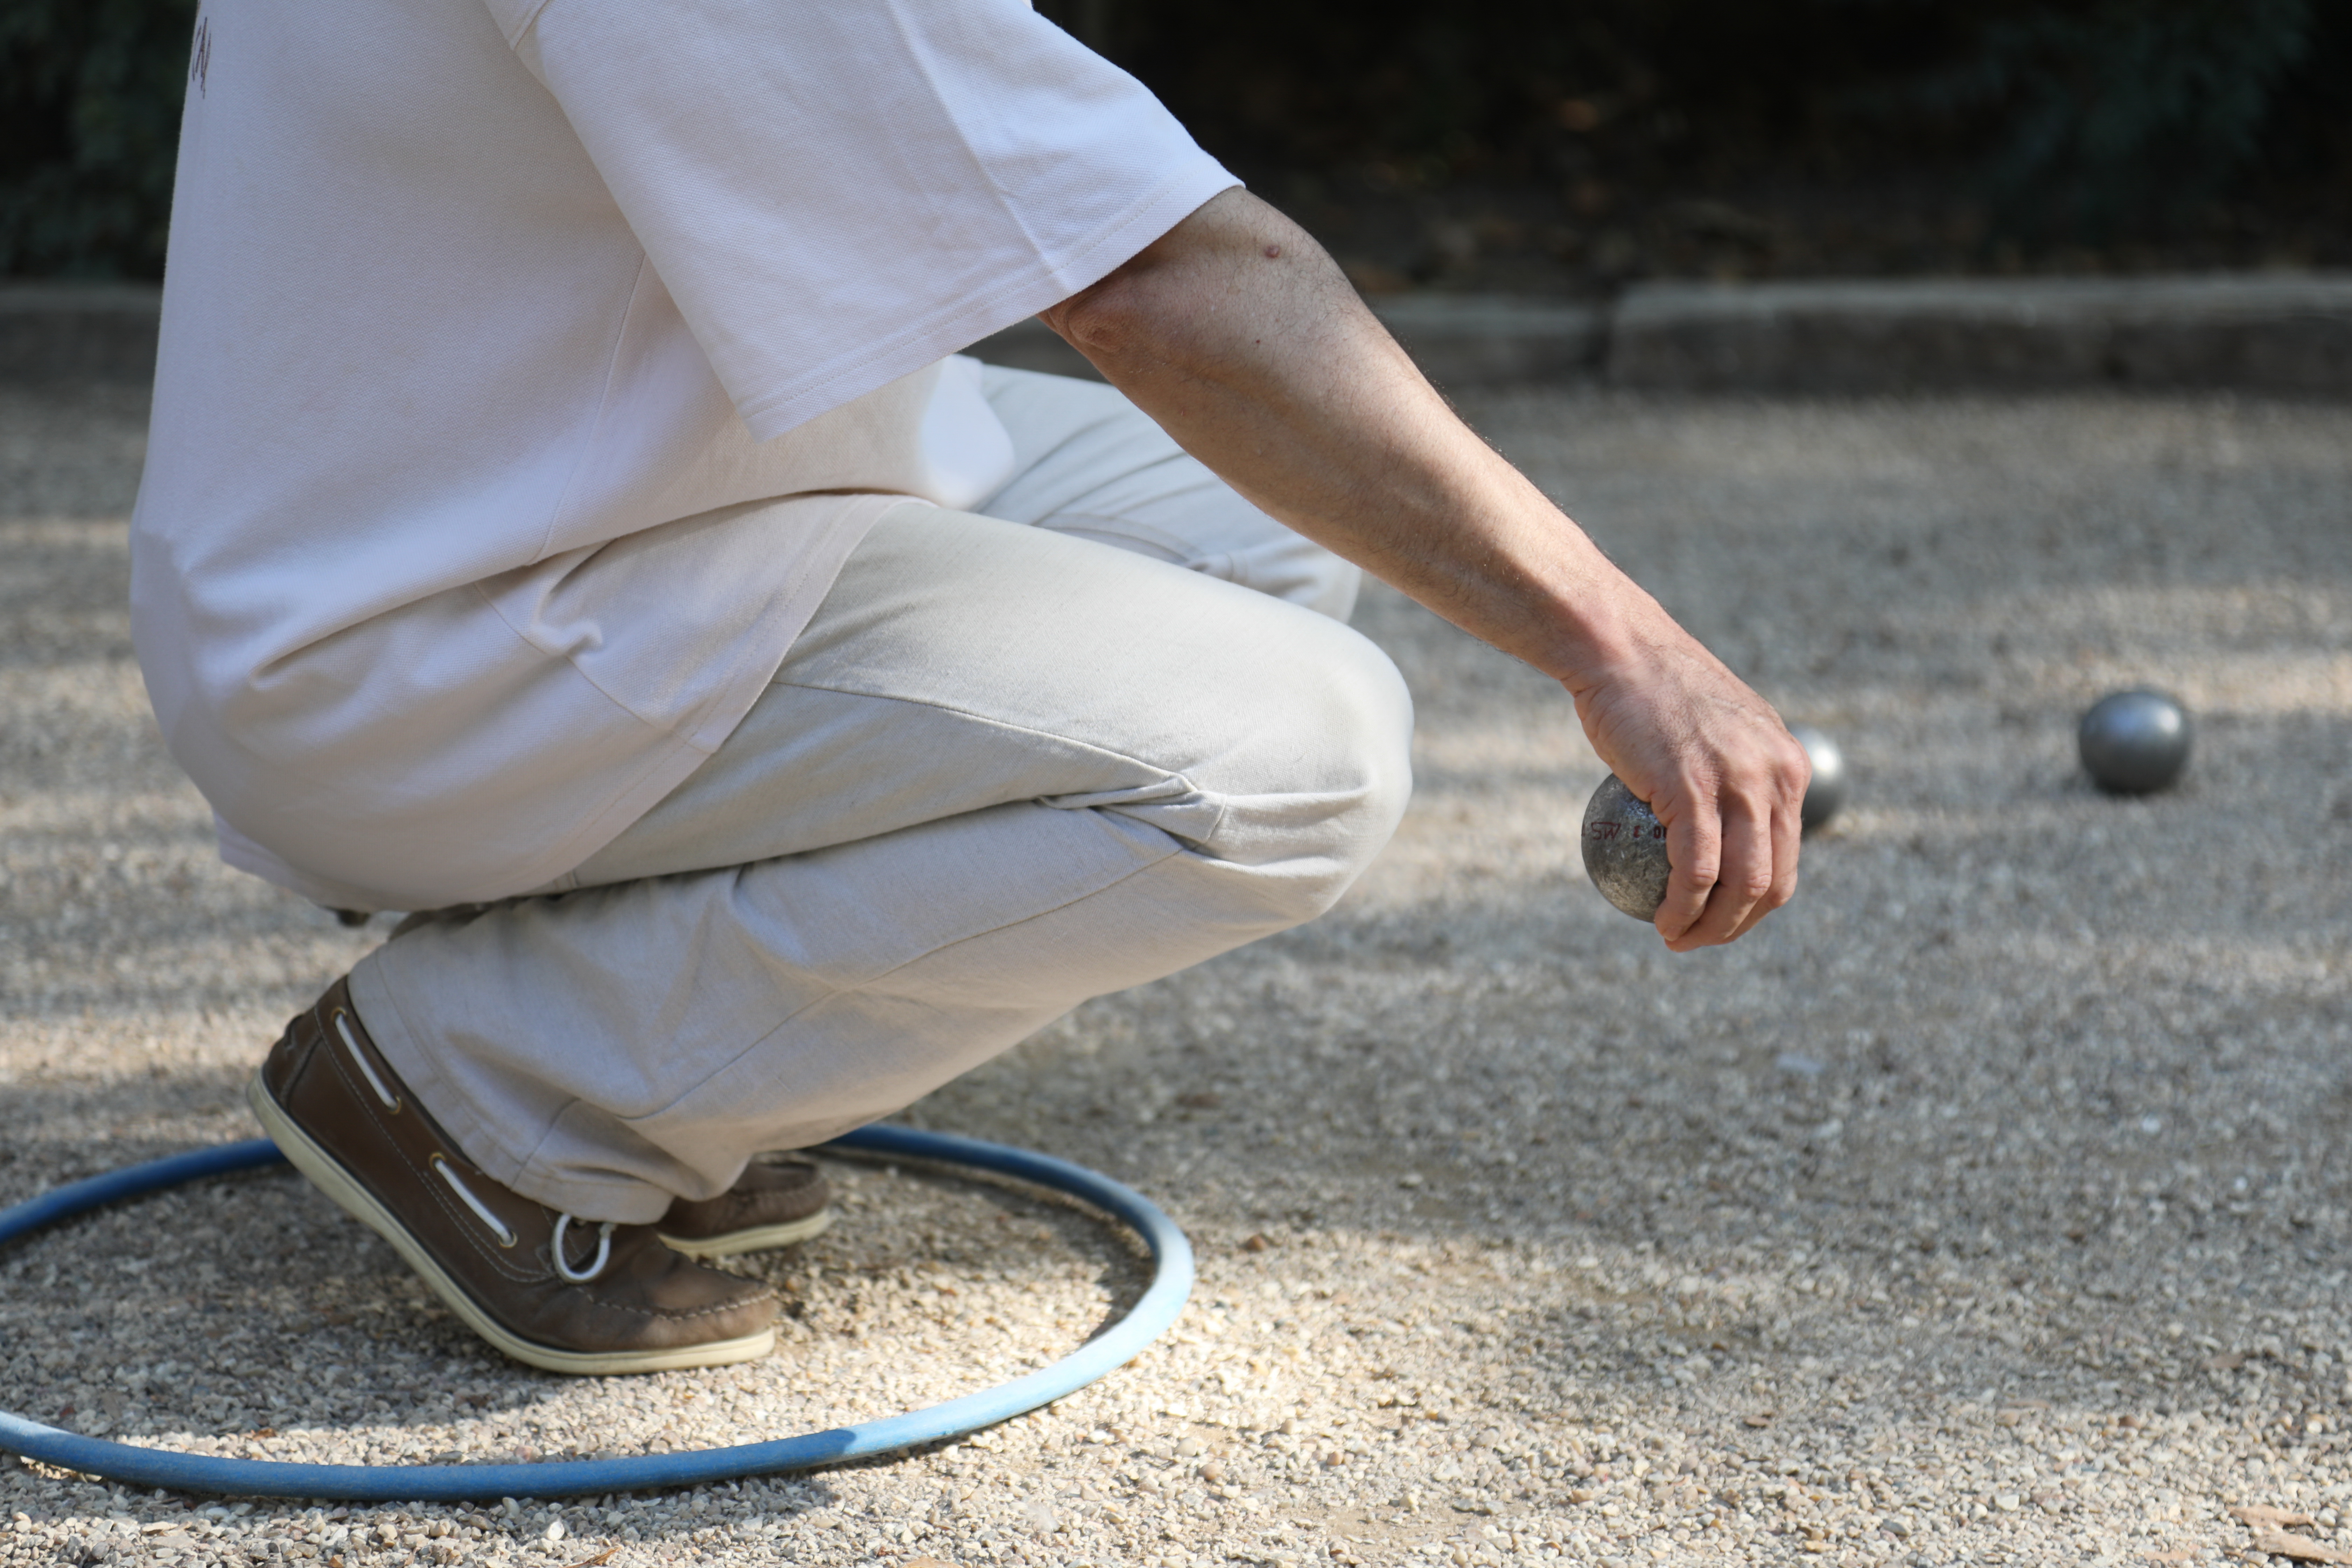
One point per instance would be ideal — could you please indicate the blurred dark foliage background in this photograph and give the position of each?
(1544, 145)
(90, 120)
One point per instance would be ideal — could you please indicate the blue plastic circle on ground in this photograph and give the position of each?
(1172, 1283)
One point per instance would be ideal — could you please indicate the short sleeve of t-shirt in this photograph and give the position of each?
(838, 193)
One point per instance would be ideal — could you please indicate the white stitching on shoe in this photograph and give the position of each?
(443, 1201)
(343, 1028)
(506, 1238)
(603, 1251)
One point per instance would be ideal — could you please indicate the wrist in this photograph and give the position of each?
(1596, 624)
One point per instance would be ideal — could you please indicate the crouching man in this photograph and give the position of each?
(566, 516)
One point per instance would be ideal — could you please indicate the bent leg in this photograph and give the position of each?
(1004, 771)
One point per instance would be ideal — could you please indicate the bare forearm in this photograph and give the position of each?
(1242, 338)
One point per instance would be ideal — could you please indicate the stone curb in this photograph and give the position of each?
(77, 332)
(2276, 334)
(2288, 334)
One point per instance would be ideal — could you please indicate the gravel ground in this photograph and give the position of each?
(1990, 1205)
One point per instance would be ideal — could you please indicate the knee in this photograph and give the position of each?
(1328, 756)
(1367, 712)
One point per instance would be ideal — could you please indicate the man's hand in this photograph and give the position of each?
(1718, 769)
(1240, 336)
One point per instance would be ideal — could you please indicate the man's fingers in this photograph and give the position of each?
(1788, 835)
(1782, 800)
(1743, 879)
(1694, 846)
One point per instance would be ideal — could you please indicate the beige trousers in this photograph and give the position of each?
(1017, 761)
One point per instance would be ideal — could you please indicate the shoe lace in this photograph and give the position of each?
(603, 1251)
(358, 1061)
(564, 1223)
(482, 1211)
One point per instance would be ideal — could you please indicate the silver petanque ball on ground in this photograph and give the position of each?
(2134, 742)
(1625, 849)
(1826, 793)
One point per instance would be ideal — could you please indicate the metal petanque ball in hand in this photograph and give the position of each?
(1826, 793)
(1625, 849)
(2134, 742)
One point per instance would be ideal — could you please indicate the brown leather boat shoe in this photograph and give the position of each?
(778, 1200)
(557, 1293)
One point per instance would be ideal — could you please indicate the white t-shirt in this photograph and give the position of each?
(493, 334)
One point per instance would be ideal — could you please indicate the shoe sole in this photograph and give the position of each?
(759, 1238)
(327, 1174)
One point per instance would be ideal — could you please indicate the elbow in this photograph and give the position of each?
(1109, 320)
